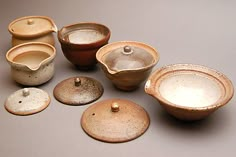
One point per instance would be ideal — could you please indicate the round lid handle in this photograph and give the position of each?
(30, 21)
(77, 81)
(127, 50)
(115, 107)
(25, 92)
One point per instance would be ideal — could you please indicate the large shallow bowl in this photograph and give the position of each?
(80, 42)
(189, 92)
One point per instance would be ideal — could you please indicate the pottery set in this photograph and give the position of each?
(187, 92)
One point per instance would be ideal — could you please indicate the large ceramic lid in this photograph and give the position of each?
(27, 101)
(115, 120)
(78, 90)
(127, 55)
(30, 26)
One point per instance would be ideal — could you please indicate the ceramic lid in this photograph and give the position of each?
(27, 101)
(78, 90)
(127, 55)
(115, 120)
(31, 26)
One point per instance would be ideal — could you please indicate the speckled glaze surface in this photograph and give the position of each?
(78, 90)
(127, 63)
(189, 92)
(80, 42)
(27, 101)
(115, 120)
(32, 63)
(32, 29)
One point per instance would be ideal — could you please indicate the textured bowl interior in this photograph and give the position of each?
(190, 86)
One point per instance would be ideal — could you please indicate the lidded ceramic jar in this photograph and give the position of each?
(32, 29)
(32, 63)
(127, 63)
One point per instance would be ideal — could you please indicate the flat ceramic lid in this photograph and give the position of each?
(115, 120)
(27, 101)
(190, 86)
(79, 90)
(31, 26)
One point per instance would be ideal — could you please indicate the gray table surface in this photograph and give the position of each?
(186, 31)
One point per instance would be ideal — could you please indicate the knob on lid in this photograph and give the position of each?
(27, 101)
(78, 90)
(30, 26)
(115, 120)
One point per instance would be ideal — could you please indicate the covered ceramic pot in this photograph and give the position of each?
(32, 29)
(127, 63)
(32, 63)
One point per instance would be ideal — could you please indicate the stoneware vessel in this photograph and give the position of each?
(127, 63)
(32, 29)
(189, 92)
(115, 120)
(32, 63)
(80, 42)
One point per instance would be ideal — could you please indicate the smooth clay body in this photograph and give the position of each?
(32, 29)
(127, 63)
(31, 63)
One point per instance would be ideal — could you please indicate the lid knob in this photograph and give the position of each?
(30, 21)
(77, 81)
(127, 50)
(115, 107)
(25, 92)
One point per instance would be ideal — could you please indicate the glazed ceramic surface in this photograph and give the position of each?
(31, 63)
(127, 63)
(80, 42)
(78, 90)
(115, 120)
(32, 29)
(189, 92)
(27, 101)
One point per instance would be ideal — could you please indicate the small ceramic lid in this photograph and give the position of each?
(128, 55)
(78, 90)
(30, 26)
(115, 120)
(27, 101)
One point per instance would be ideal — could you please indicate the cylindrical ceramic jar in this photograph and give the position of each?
(32, 63)
(32, 29)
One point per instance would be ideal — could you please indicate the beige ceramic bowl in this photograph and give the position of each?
(127, 63)
(32, 63)
(189, 92)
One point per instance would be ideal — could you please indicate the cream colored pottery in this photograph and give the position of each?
(27, 101)
(32, 29)
(127, 63)
(32, 63)
(188, 91)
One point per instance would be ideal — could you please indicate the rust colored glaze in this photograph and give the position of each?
(115, 120)
(80, 43)
(127, 63)
(189, 92)
(78, 90)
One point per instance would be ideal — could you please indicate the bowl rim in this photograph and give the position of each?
(153, 83)
(100, 42)
(108, 48)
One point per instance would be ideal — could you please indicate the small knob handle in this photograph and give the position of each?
(115, 107)
(127, 50)
(77, 81)
(30, 22)
(25, 92)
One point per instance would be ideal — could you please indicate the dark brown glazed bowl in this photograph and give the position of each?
(80, 43)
